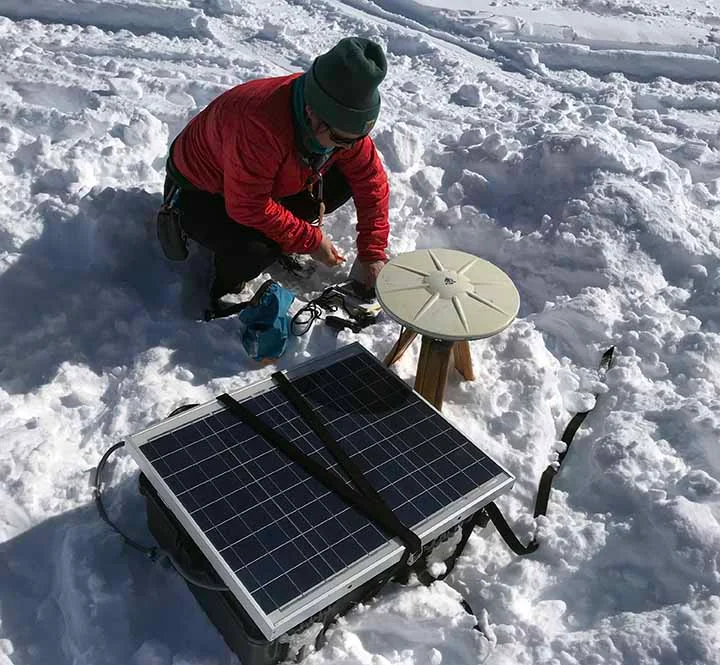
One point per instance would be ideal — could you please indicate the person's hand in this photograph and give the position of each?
(369, 271)
(327, 253)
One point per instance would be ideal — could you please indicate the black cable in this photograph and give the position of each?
(304, 318)
(329, 301)
(154, 553)
(189, 577)
(97, 491)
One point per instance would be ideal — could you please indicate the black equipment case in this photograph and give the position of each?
(222, 608)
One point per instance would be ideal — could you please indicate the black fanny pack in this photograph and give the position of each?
(173, 240)
(171, 236)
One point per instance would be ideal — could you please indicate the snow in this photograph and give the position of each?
(573, 143)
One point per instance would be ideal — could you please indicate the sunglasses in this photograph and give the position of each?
(342, 140)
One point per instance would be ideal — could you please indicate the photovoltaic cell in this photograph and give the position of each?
(279, 529)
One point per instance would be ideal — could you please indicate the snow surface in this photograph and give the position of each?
(574, 143)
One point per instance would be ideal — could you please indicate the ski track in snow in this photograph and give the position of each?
(586, 167)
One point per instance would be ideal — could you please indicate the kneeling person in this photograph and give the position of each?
(258, 168)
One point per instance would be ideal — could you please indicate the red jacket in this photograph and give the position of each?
(243, 147)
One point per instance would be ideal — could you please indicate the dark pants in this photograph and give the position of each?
(241, 252)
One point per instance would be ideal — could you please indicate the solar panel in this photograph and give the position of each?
(286, 545)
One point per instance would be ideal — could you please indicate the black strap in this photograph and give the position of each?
(320, 196)
(492, 513)
(377, 513)
(480, 518)
(221, 312)
(401, 568)
(304, 408)
(507, 534)
(373, 591)
(216, 312)
(168, 200)
(543, 495)
(293, 395)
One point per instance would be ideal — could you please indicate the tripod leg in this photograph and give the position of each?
(463, 360)
(405, 340)
(433, 368)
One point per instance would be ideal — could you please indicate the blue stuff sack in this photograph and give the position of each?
(267, 324)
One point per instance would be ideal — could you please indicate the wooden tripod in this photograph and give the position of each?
(436, 355)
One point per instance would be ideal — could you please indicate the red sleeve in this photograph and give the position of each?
(250, 166)
(366, 176)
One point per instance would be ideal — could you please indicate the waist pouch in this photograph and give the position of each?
(173, 240)
(170, 234)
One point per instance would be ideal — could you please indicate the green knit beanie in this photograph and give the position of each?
(341, 86)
